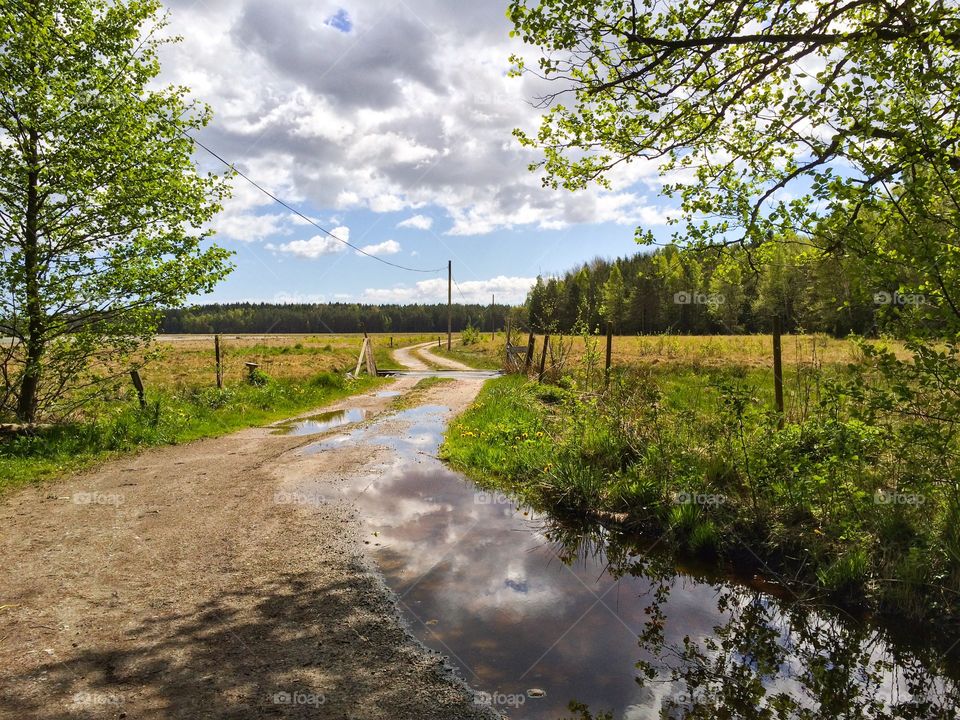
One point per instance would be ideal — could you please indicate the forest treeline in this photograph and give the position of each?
(328, 318)
(698, 292)
(668, 290)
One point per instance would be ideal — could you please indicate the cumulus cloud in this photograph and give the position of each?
(417, 222)
(387, 247)
(507, 289)
(382, 106)
(249, 227)
(316, 246)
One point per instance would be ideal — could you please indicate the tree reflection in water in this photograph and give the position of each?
(770, 659)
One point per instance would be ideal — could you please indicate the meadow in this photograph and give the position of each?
(296, 373)
(842, 497)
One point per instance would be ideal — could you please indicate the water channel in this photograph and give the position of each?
(536, 615)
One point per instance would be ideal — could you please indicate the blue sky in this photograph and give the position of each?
(389, 124)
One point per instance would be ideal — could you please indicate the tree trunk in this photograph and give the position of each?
(30, 382)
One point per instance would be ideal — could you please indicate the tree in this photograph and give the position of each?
(101, 207)
(615, 300)
(727, 294)
(773, 108)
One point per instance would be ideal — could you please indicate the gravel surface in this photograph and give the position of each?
(192, 582)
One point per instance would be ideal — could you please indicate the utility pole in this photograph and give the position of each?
(493, 317)
(449, 304)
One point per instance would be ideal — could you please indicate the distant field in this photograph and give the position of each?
(751, 351)
(188, 360)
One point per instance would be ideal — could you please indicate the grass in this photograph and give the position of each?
(692, 453)
(186, 361)
(705, 351)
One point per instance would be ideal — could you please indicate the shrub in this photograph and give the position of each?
(258, 378)
(470, 335)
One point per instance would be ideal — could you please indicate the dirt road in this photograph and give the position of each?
(186, 582)
(419, 357)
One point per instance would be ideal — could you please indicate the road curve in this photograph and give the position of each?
(419, 357)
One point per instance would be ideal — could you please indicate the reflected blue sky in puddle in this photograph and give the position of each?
(519, 604)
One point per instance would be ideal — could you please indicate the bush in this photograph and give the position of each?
(470, 335)
(258, 377)
(328, 380)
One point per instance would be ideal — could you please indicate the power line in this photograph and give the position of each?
(300, 214)
(460, 291)
(250, 180)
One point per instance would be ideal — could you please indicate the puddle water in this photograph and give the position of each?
(537, 615)
(389, 394)
(316, 424)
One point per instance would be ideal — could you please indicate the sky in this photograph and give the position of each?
(388, 123)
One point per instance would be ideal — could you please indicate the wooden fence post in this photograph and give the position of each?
(138, 384)
(778, 369)
(362, 358)
(217, 351)
(543, 357)
(531, 346)
(609, 362)
(371, 362)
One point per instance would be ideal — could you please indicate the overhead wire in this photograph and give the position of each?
(299, 214)
(278, 200)
(464, 297)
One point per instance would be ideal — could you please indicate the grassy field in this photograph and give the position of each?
(692, 350)
(188, 360)
(301, 372)
(185, 405)
(688, 366)
(842, 499)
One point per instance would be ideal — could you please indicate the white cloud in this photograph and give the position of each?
(247, 227)
(417, 115)
(418, 222)
(316, 246)
(387, 247)
(288, 298)
(507, 289)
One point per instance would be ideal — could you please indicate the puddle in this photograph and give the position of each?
(389, 394)
(537, 614)
(317, 424)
